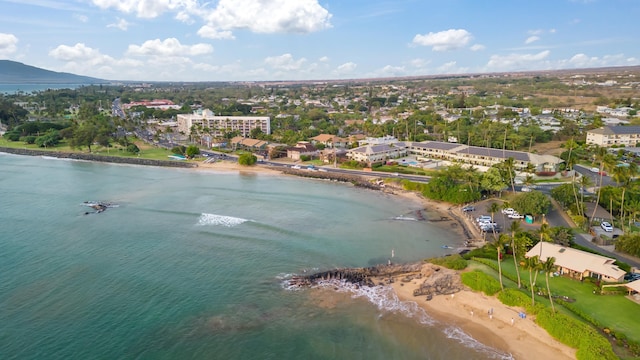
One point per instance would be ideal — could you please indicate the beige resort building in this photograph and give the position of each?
(614, 135)
(454, 152)
(218, 125)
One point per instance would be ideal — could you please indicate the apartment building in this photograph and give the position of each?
(614, 135)
(219, 125)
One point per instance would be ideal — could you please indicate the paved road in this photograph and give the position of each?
(595, 178)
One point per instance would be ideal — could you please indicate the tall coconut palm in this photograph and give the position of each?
(549, 266)
(493, 208)
(623, 175)
(584, 183)
(499, 244)
(532, 264)
(545, 236)
(605, 161)
(514, 228)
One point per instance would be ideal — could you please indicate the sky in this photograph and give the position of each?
(265, 40)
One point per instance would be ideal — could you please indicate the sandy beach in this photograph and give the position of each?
(469, 311)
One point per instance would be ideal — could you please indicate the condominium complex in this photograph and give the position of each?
(454, 152)
(614, 135)
(219, 125)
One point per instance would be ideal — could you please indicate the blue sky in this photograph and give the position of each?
(238, 40)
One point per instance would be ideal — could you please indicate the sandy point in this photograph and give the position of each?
(489, 321)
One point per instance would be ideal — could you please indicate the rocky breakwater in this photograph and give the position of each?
(436, 280)
(363, 180)
(99, 158)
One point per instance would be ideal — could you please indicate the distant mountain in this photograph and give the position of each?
(12, 72)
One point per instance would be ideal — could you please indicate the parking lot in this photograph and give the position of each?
(502, 221)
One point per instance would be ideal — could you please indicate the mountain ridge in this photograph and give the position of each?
(13, 72)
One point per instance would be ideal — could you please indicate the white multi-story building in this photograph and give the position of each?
(219, 125)
(614, 135)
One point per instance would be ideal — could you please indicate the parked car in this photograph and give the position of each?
(606, 226)
(632, 276)
(483, 218)
(525, 189)
(515, 215)
(594, 170)
(508, 211)
(469, 208)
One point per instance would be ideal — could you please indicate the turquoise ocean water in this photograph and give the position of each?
(192, 265)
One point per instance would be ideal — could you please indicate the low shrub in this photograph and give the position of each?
(455, 262)
(514, 297)
(483, 252)
(479, 281)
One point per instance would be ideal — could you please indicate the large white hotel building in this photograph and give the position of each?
(218, 125)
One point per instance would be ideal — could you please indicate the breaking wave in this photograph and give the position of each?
(220, 220)
(466, 340)
(386, 300)
(383, 297)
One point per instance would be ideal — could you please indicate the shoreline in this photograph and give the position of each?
(524, 339)
(503, 330)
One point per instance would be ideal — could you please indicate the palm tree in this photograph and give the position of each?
(623, 175)
(499, 243)
(493, 208)
(545, 236)
(515, 228)
(549, 266)
(509, 167)
(532, 264)
(584, 183)
(605, 161)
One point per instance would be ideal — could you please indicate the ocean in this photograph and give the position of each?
(193, 264)
(29, 88)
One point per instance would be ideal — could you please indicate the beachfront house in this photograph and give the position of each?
(578, 264)
(302, 148)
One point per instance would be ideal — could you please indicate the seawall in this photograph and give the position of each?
(100, 158)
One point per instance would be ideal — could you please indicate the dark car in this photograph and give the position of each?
(468, 208)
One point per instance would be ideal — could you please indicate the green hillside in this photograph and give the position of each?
(12, 72)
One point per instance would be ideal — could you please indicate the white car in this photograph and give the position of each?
(525, 189)
(483, 218)
(606, 226)
(508, 211)
(515, 215)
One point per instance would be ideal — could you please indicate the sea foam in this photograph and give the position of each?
(463, 338)
(220, 220)
(383, 297)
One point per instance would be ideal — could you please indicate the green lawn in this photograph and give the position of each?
(612, 311)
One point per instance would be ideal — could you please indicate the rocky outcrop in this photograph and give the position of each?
(438, 281)
(100, 158)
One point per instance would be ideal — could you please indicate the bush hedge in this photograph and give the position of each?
(455, 262)
(479, 281)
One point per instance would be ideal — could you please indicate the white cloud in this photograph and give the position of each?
(531, 39)
(391, 71)
(584, 61)
(81, 18)
(146, 8)
(451, 67)
(78, 52)
(210, 32)
(8, 44)
(477, 47)
(535, 32)
(419, 63)
(285, 62)
(451, 39)
(275, 16)
(168, 47)
(516, 61)
(122, 24)
(346, 68)
(324, 59)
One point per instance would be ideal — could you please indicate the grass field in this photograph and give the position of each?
(612, 311)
